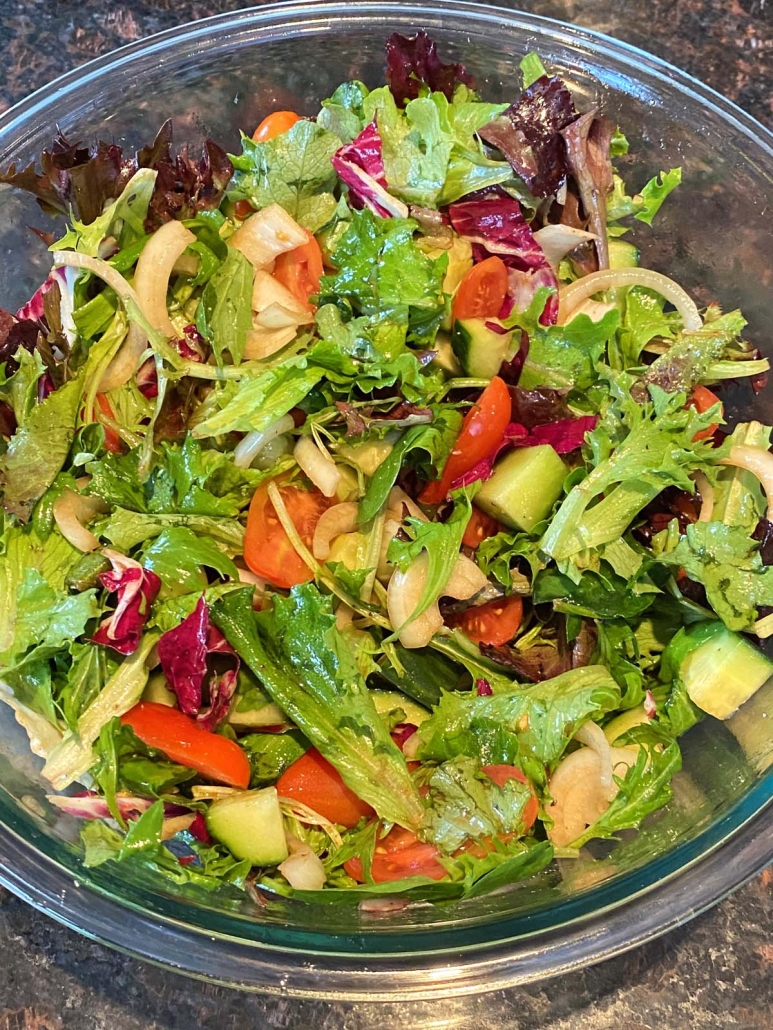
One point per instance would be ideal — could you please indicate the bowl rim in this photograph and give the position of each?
(731, 858)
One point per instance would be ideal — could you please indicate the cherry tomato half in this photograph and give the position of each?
(494, 623)
(482, 429)
(398, 855)
(313, 781)
(267, 548)
(480, 527)
(500, 774)
(482, 291)
(112, 439)
(702, 399)
(182, 739)
(300, 270)
(274, 125)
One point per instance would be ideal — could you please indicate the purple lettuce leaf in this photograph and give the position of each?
(528, 135)
(495, 225)
(413, 62)
(184, 653)
(587, 155)
(137, 589)
(360, 165)
(539, 406)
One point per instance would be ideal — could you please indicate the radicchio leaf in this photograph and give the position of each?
(360, 165)
(763, 533)
(587, 155)
(183, 653)
(537, 407)
(495, 225)
(15, 333)
(540, 662)
(528, 135)
(413, 62)
(89, 805)
(137, 589)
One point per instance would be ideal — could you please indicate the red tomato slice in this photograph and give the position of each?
(482, 429)
(500, 774)
(480, 527)
(243, 209)
(267, 548)
(112, 439)
(702, 399)
(400, 854)
(482, 291)
(313, 781)
(494, 623)
(300, 270)
(182, 739)
(274, 125)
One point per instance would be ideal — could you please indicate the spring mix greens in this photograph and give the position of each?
(372, 520)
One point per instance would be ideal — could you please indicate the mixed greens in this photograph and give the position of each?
(371, 526)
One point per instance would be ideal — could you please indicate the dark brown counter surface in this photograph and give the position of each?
(716, 973)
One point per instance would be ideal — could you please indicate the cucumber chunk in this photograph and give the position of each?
(256, 718)
(445, 358)
(623, 254)
(387, 701)
(620, 725)
(720, 670)
(250, 825)
(480, 350)
(524, 487)
(157, 690)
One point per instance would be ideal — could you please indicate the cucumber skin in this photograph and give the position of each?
(524, 487)
(250, 825)
(623, 254)
(480, 350)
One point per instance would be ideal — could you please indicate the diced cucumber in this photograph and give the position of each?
(387, 701)
(157, 690)
(720, 669)
(255, 718)
(623, 254)
(445, 358)
(250, 825)
(620, 725)
(480, 350)
(524, 487)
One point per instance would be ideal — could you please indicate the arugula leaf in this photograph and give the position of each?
(645, 787)
(178, 556)
(380, 269)
(423, 674)
(632, 652)
(728, 564)
(258, 401)
(441, 541)
(125, 763)
(640, 450)
(543, 717)
(465, 804)
(224, 314)
(322, 691)
(434, 441)
(597, 595)
(89, 670)
(293, 170)
(655, 192)
(271, 753)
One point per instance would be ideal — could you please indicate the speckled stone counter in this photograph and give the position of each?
(714, 973)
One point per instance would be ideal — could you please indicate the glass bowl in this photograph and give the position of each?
(223, 73)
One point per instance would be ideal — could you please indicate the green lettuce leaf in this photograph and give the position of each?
(293, 170)
(342, 113)
(728, 564)
(543, 717)
(224, 314)
(179, 557)
(125, 529)
(258, 401)
(124, 218)
(739, 499)
(305, 665)
(646, 204)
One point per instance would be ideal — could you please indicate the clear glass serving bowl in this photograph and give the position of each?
(222, 74)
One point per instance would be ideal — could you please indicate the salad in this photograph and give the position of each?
(373, 522)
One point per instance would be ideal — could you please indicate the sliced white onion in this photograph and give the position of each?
(344, 616)
(268, 293)
(277, 316)
(760, 463)
(578, 798)
(154, 267)
(557, 240)
(594, 309)
(340, 519)
(70, 511)
(593, 735)
(169, 827)
(608, 279)
(124, 363)
(253, 443)
(391, 528)
(706, 490)
(466, 579)
(262, 343)
(318, 465)
(265, 235)
(398, 496)
(405, 590)
(302, 869)
(411, 746)
(249, 577)
(273, 451)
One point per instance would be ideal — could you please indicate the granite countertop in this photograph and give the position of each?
(714, 973)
